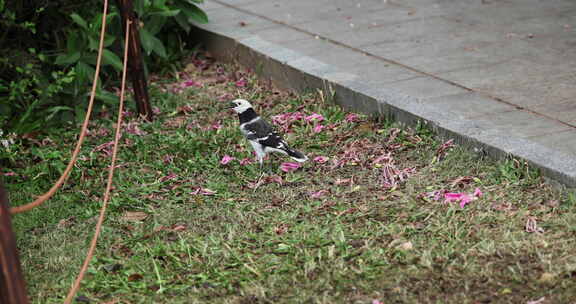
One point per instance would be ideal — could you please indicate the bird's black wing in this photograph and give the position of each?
(259, 129)
(273, 140)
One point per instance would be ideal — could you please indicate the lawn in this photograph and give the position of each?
(379, 214)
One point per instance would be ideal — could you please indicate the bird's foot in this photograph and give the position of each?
(259, 181)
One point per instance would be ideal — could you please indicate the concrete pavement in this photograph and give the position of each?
(498, 75)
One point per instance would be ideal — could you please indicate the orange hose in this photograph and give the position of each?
(92, 248)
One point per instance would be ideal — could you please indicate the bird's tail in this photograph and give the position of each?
(296, 155)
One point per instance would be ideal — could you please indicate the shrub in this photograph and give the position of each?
(48, 55)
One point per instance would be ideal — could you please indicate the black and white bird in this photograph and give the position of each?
(261, 134)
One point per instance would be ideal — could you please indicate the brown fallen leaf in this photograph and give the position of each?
(281, 229)
(343, 181)
(135, 277)
(134, 216)
(65, 223)
(461, 181)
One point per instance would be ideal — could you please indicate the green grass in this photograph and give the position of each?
(360, 241)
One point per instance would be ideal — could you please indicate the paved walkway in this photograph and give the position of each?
(498, 72)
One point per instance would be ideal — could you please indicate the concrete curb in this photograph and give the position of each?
(291, 70)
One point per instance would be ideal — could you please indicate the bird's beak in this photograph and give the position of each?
(231, 105)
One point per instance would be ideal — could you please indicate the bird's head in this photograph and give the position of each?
(240, 105)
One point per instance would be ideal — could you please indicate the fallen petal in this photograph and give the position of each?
(452, 196)
(314, 117)
(465, 200)
(241, 83)
(477, 192)
(318, 194)
(190, 83)
(216, 126)
(320, 159)
(351, 117)
(245, 161)
(226, 159)
(168, 159)
(289, 167)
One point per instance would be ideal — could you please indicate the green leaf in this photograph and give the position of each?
(93, 43)
(159, 3)
(159, 49)
(146, 39)
(79, 20)
(67, 58)
(194, 13)
(89, 59)
(107, 97)
(139, 7)
(151, 43)
(183, 22)
(74, 42)
(85, 72)
(109, 40)
(80, 114)
(54, 110)
(166, 13)
(155, 24)
(112, 59)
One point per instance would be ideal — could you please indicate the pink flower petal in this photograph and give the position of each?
(465, 200)
(276, 179)
(318, 128)
(289, 167)
(297, 116)
(351, 117)
(226, 159)
(287, 118)
(133, 128)
(190, 83)
(452, 197)
(168, 159)
(241, 83)
(320, 159)
(280, 119)
(318, 194)
(216, 125)
(477, 192)
(245, 161)
(314, 117)
(462, 198)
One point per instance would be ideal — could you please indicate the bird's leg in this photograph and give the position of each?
(261, 161)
